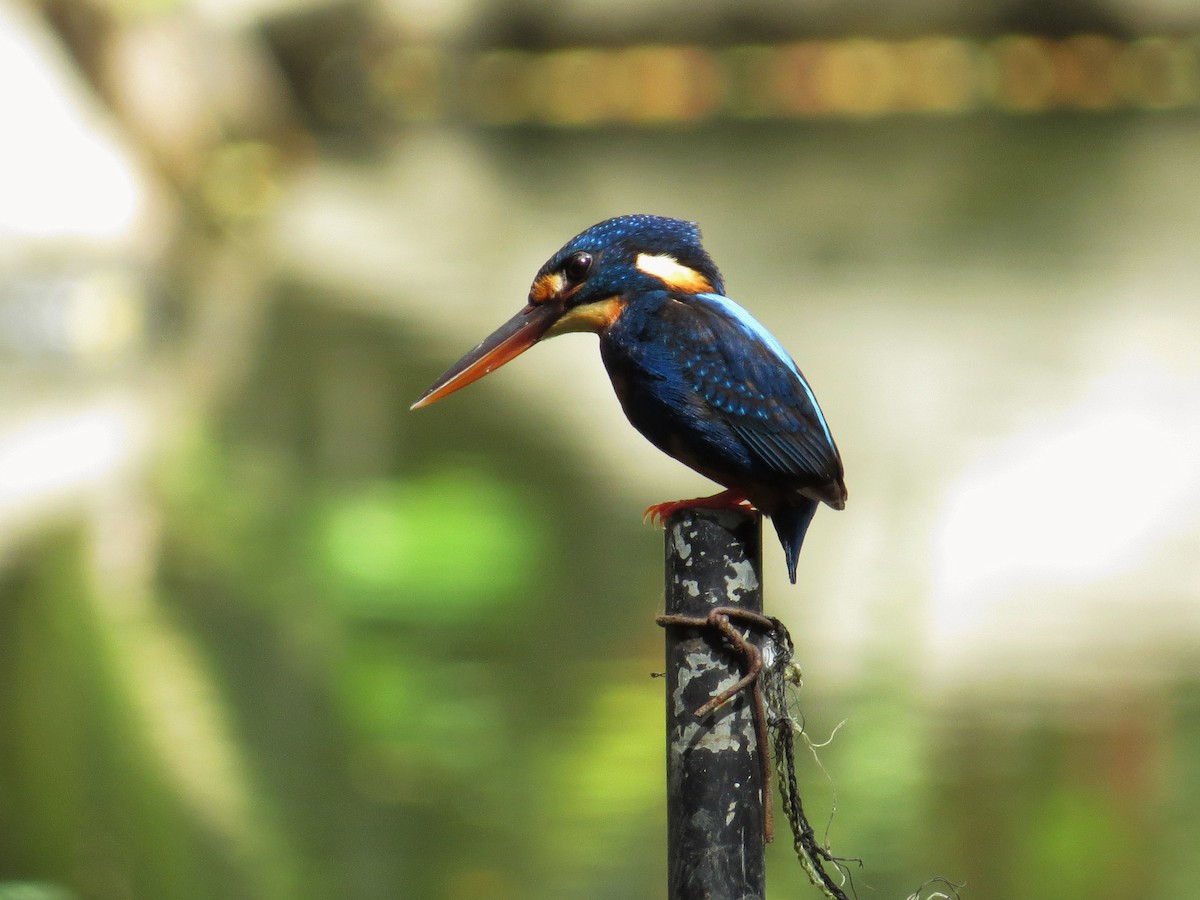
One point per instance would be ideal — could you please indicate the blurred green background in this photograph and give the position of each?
(266, 634)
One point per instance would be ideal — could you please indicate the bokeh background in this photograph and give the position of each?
(266, 634)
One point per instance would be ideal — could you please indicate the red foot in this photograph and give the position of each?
(730, 499)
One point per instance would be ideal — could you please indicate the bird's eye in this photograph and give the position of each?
(577, 265)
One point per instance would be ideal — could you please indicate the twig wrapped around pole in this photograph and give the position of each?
(716, 791)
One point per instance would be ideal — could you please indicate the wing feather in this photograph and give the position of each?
(743, 375)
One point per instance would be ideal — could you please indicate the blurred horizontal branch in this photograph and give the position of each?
(851, 78)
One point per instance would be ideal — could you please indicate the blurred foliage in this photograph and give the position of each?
(83, 801)
(392, 545)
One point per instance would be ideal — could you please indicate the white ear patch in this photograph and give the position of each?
(674, 274)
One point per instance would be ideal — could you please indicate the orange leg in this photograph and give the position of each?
(729, 499)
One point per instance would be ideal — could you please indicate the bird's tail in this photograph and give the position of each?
(791, 522)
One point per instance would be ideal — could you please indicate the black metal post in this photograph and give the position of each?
(715, 790)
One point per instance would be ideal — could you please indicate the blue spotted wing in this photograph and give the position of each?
(745, 377)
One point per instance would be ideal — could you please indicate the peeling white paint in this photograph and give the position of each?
(683, 549)
(720, 732)
(743, 579)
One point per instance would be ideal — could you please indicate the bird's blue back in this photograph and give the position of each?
(706, 383)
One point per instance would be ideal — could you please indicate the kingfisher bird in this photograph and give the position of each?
(694, 372)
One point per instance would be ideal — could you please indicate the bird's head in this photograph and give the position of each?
(586, 286)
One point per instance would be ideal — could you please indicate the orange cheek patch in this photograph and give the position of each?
(674, 274)
(547, 287)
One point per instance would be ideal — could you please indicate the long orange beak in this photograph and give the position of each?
(506, 343)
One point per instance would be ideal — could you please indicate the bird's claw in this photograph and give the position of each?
(660, 512)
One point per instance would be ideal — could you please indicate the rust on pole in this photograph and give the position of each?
(715, 776)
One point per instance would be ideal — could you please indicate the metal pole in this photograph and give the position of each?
(715, 784)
